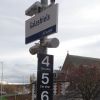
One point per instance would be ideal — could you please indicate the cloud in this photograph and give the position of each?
(78, 31)
(80, 46)
(83, 41)
(15, 72)
(81, 18)
(91, 13)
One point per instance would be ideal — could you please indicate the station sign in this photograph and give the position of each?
(45, 77)
(42, 24)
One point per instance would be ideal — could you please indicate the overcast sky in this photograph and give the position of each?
(78, 32)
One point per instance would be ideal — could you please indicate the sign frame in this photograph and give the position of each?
(42, 24)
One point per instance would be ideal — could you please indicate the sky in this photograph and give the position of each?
(78, 33)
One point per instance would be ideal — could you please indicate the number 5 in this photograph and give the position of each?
(45, 79)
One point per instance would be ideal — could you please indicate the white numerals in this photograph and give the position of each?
(44, 95)
(45, 79)
(45, 68)
(45, 61)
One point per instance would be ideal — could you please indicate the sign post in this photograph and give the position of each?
(45, 77)
(39, 26)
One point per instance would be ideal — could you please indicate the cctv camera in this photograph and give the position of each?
(51, 43)
(33, 9)
(34, 49)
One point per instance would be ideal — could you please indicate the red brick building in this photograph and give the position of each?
(71, 62)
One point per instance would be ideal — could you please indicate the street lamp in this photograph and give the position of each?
(1, 78)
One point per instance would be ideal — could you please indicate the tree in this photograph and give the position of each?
(84, 82)
(3, 98)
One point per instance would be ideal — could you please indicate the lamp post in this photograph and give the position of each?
(1, 78)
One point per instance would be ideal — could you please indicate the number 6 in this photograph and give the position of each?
(44, 94)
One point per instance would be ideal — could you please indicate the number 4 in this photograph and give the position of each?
(46, 61)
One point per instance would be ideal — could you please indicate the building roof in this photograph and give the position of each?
(74, 60)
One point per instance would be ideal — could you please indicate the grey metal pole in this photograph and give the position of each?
(44, 3)
(43, 49)
(1, 78)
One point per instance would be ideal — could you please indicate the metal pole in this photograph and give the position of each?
(43, 49)
(44, 3)
(1, 78)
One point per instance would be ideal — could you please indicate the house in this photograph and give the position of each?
(71, 62)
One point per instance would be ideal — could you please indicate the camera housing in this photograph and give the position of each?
(33, 9)
(34, 49)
